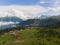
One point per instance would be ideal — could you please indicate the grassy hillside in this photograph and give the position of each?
(32, 36)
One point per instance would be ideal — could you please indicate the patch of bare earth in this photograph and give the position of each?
(19, 41)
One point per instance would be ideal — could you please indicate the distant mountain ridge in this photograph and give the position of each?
(47, 22)
(12, 19)
(53, 21)
(9, 22)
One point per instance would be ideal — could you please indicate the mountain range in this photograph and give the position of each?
(52, 21)
(46, 22)
(10, 19)
(9, 22)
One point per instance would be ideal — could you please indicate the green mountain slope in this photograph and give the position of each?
(32, 36)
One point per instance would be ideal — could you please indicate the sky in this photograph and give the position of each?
(28, 2)
(29, 8)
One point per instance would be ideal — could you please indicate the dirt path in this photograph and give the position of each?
(18, 41)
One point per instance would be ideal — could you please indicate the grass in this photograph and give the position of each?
(33, 36)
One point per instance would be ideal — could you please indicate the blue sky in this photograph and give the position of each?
(26, 2)
(18, 2)
(47, 3)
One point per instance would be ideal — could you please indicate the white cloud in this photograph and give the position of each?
(23, 12)
(56, 3)
(42, 1)
(54, 9)
(7, 23)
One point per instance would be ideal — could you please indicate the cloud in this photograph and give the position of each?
(54, 9)
(23, 12)
(30, 11)
(42, 2)
(56, 3)
(6, 23)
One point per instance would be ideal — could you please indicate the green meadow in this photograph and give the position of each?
(32, 36)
